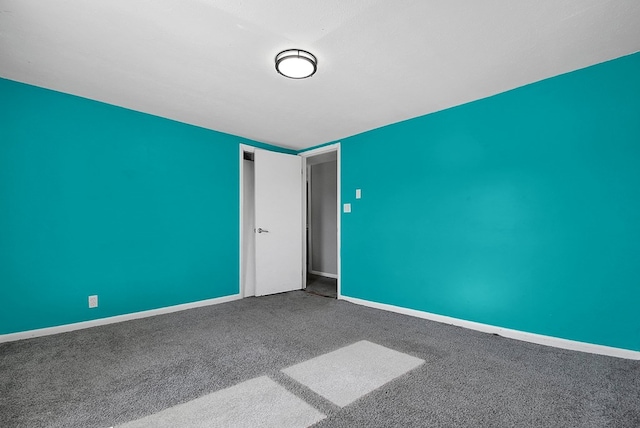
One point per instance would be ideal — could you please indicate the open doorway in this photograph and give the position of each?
(322, 223)
(315, 216)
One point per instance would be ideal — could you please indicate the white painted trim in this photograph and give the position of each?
(320, 150)
(115, 319)
(241, 147)
(250, 149)
(328, 275)
(339, 213)
(306, 204)
(539, 339)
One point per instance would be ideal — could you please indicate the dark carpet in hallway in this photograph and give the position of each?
(322, 286)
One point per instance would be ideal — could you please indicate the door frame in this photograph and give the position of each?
(242, 149)
(320, 150)
(314, 152)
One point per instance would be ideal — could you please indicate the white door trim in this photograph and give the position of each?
(320, 150)
(242, 148)
(307, 229)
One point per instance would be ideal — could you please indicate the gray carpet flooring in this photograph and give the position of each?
(322, 286)
(118, 373)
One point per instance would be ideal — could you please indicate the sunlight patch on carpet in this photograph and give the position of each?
(258, 402)
(345, 375)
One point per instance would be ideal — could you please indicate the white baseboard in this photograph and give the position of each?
(505, 332)
(111, 320)
(328, 275)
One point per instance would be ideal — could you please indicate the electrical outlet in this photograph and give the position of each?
(93, 301)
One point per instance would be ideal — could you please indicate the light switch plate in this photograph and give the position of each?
(347, 208)
(358, 193)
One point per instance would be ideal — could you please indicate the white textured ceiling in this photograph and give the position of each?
(211, 62)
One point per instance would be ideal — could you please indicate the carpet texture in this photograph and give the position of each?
(349, 373)
(256, 402)
(110, 375)
(322, 286)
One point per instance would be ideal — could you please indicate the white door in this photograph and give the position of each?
(278, 222)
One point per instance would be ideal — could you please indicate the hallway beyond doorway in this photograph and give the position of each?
(322, 286)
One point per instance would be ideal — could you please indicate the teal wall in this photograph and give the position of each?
(521, 210)
(96, 199)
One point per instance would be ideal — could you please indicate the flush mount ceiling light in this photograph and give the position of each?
(296, 63)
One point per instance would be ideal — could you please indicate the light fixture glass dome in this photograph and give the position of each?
(296, 63)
